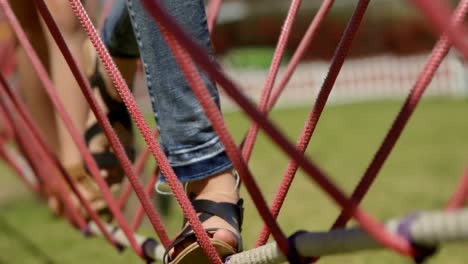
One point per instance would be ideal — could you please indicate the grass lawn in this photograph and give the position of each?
(421, 173)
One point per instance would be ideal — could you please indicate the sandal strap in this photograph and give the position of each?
(229, 212)
(110, 160)
(96, 80)
(115, 116)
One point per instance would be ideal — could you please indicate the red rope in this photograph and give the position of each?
(460, 196)
(270, 81)
(89, 161)
(45, 151)
(212, 14)
(314, 116)
(136, 114)
(139, 166)
(435, 59)
(439, 14)
(301, 49)
(30, 153)
(7, 56)
(351, 207)
(6, 131)
(111, 136)
(5, 155)
(34, 138)
(368, 223)
(213, 113)
(8, 158)
(150, 190)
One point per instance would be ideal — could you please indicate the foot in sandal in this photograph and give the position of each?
(216, 200)
(117, 115)
(99, 146)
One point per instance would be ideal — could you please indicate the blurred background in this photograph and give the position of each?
(389, 52)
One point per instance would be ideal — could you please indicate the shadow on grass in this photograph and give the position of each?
(28, 246)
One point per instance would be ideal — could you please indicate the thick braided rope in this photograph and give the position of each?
(111, 136)
(36, 140)
(439, 14)
(30, 159)
(425, 228)
(24, 140)
(435, 59)
(20, 139)
(11, 160)
(428, 228)
(154, 147)
(314, 116)
(7, 155)
(301, 49)
(250, 139)
(155, 251)
(7, 132)
(139, 166)
(48, 161)
(397, 243)
(214, 115)
(30, 163)
(42, 73)
(150, 190)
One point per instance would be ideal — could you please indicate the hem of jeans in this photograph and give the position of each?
(185, 158)
(199, 176)
(184, 150)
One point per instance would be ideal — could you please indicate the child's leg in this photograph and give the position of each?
(66, 85)
(35, 98)
(187, 137)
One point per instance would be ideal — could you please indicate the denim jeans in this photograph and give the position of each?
(186, 135)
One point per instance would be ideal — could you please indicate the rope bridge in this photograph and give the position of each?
(415, 235)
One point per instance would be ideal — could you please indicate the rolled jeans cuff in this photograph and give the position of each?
(196, 164)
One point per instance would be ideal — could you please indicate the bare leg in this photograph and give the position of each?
(66, 85)
(36, 100)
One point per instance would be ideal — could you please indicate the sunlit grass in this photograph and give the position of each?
(421, 173)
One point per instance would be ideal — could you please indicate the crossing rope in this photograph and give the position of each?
(414, 235)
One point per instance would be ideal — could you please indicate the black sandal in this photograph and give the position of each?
(229, 212)
(122, 124)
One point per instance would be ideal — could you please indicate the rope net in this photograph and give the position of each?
(401, 235)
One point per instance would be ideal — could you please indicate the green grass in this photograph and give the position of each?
(252, 57)
(421, 173)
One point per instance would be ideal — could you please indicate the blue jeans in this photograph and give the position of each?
(186, 135)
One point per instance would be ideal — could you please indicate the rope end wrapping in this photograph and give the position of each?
(85, 232)
(120, 248)
(149, 247)
(293, 256)
(422, 252)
